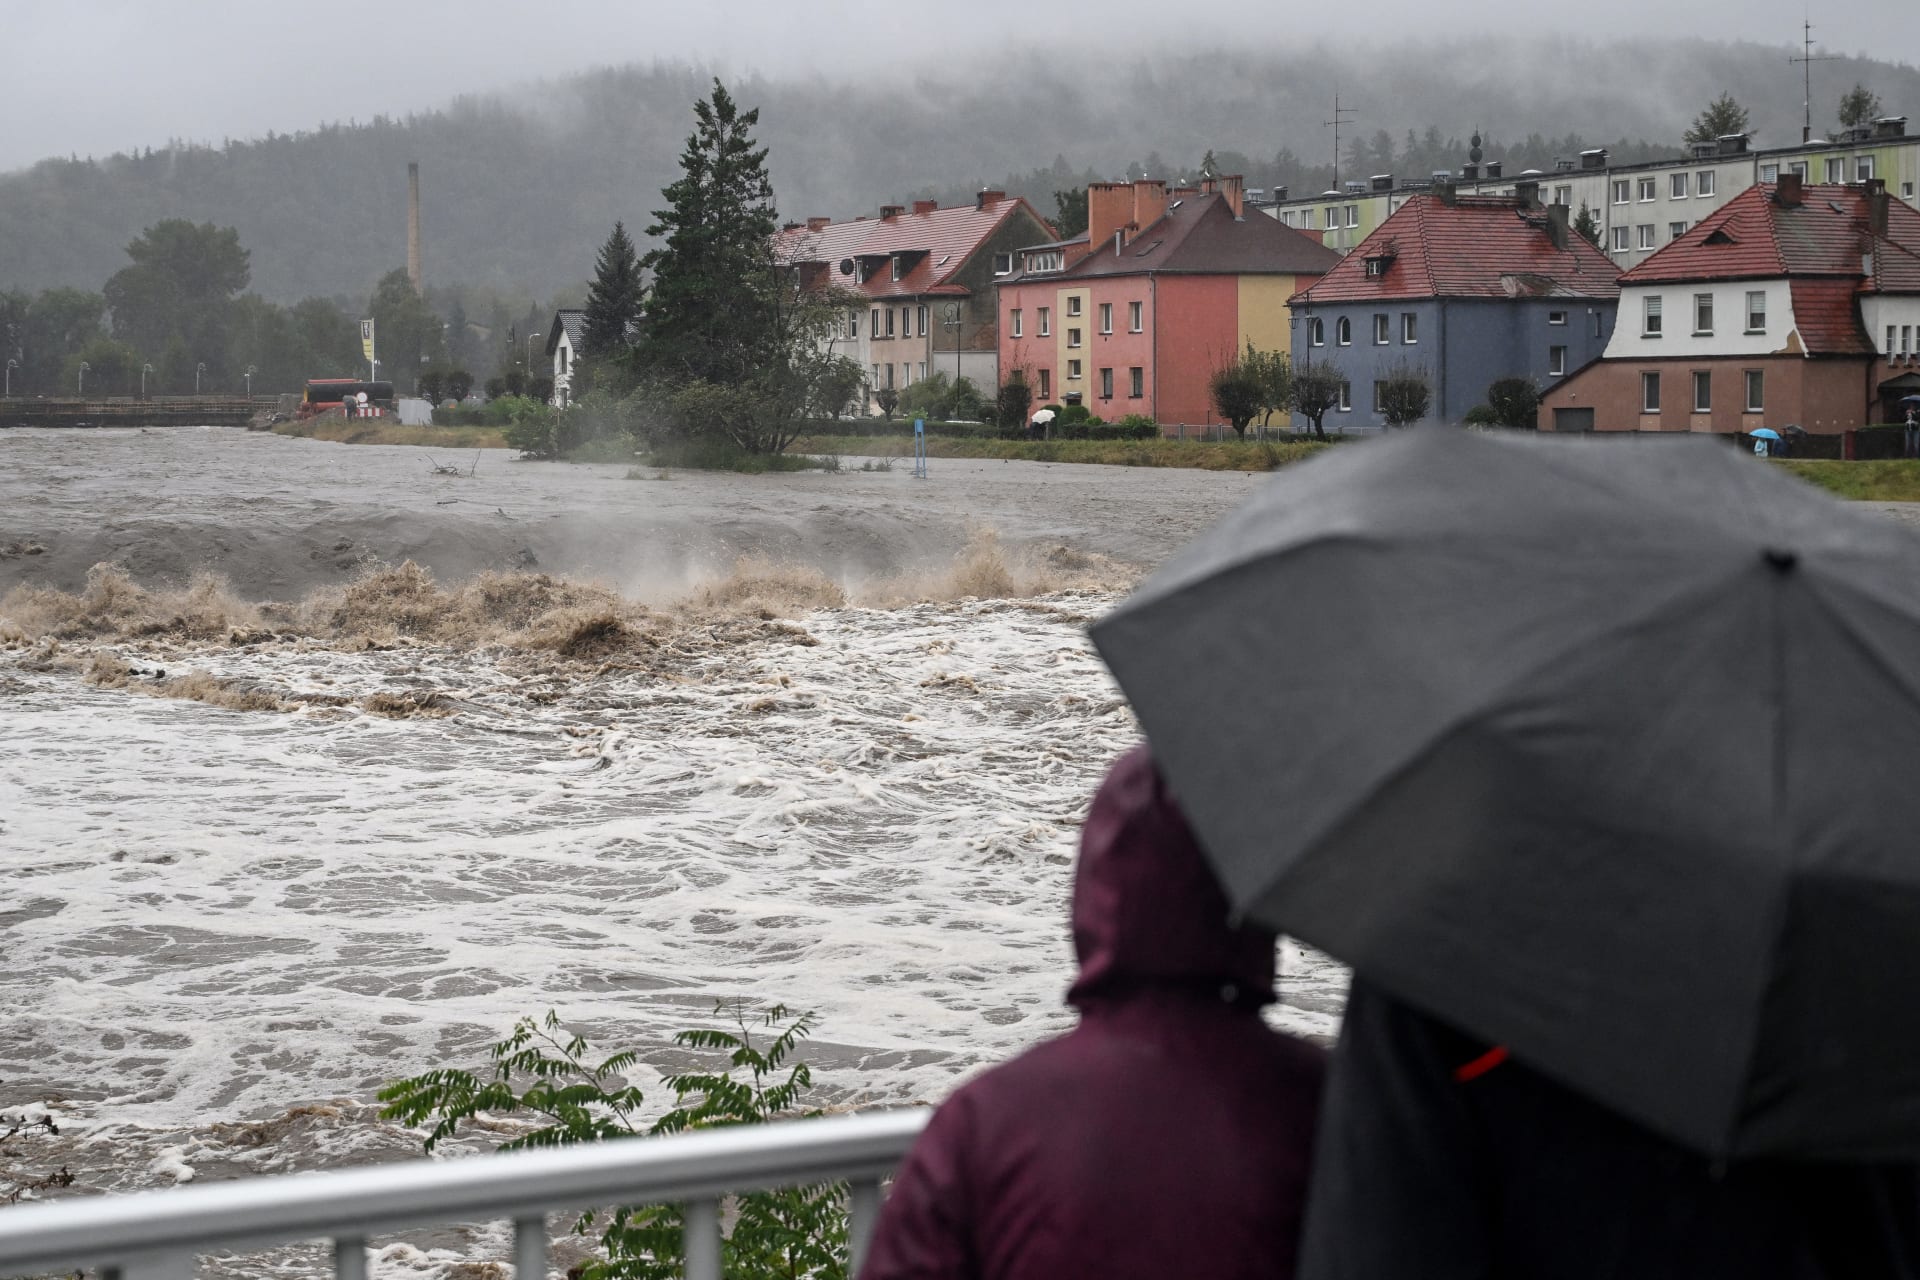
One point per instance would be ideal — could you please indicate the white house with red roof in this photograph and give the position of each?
(1464, 289)
(1794, 304)
(927, 277)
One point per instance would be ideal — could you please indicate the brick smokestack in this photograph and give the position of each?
(1788, 193)
(413, 224)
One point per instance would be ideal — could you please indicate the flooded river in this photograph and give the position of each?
(281, 821)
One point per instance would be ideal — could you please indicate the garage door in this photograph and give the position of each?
(1573, 419)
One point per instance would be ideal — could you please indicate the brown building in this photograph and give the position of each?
(1794, 304)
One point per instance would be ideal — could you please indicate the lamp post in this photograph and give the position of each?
(249, 377)
(951, 320)
(197, 371)
(145, 369)
(84, 366)
(530, 338)
(12, 364)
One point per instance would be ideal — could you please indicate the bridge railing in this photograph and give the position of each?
(158, 1235)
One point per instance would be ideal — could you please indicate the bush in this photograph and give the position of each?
(1514, 402)
(1481, 416)
(541, 1072)
(1012, 402)
(528, 425)
(938, 396)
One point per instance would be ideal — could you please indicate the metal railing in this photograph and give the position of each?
(157, 1235)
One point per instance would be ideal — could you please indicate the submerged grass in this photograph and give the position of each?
(1232, 455)
(1888, 480)
(385, 431)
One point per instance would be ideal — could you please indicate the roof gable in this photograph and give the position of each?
(1827, 233)
(934, 244)
(1200, 235)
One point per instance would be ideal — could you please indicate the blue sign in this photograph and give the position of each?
(920, 448)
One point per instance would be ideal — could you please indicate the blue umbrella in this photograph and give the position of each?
(1914, 400)
(1765, 433)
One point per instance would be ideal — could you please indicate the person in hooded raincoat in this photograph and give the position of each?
(1440, 1157)
(1168, 1134)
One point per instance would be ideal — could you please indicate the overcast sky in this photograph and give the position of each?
(96, 76)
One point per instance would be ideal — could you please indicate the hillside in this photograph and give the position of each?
(521, 186)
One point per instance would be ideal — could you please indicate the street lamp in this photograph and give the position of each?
(197, 371)
(530, 338)
(951, 320)
(145, 369)
(249, 378)
(12, 364)
(84, 366)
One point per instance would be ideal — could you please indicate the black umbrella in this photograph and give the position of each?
(1606, 751)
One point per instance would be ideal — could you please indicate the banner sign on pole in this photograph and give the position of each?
(366, 339)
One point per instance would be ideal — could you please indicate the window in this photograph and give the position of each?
(1836, 169)
(1906, 191)
(923, 371)
(1003, 264)
(1317, 332)
(1563, 195)
(1346, 397)
(1015, 317)
(1769, 173)
(1677, 186)
(1556, 360)
(1622, 190)
(1106, 384)
(1622, 239)
(1798, 169)
(1409, 329)
(1106, 317)
(896, 266)
(1133, 317)
(1599, 323)
(1136, 382)
(1863, 168)
(1703, 183)
(1073, 337)
(874, 327)
(1377, 267)
(1889, 339)
(1073, 304)
(889, 322)
(1353, 215)
(1904, 330)
(889, 369)
(1073, 371)
(1286, 217)
(853, 324)
(1379, 397)
(906, 375)
(1051, 260)
(1703, 314)
(1646, 235)
(1649, 189)
(1702, 391)
(1650, 326)
(1649, 393)
(923, 322)
(1756, 311)
(906, 323)
(1046, 385)
(1756, 391)
(1675, 230)
(1343, 331)
(1046, 323)
(1556, 317)
(1379, 329)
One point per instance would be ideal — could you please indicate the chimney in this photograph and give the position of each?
(791, 226)
(1558, 230)
(1445, 191)
(413, 224)
(1471, 172)
(1528, 193)
(925, 206)
(1149, 202)
(1109, 211)
(1233, 187)
(891, 210)
(819, 224)
(988, 197)
(1787, 193)
(1381, 182)
(1493, 169)
(1877, 202)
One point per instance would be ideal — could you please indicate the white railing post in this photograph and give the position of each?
(702, 1235)
(530, 1248)
(863, 1214)
(350, 1258)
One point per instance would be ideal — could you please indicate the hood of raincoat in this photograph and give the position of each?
(1147, 911)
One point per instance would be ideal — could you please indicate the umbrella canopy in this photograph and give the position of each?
(1043, 416)
(1480, 715)
(1764, 433)
(1910, 399)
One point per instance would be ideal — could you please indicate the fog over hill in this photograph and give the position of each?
(520, 186)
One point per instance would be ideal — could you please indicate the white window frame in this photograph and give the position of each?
(1343, 332)
(1622, 191)
(1409, 328)
(1622, 239)
(1836, 169)
(1649, 190)
(1106, 383)
(1316, 331)
(1556, 317)
(1382, 329)
(922, 309)
(1018, 331)
(1353, 215)
(1046, 322)
(1003, 264)
(1756, 310)
(1136, 381)
(1769, 173)
(874, 330)
(1703, 184)
(1649, 383)
(1703, 391)
(1073, 371)
(1563, 196)
(1073, 337)
(1703, 310)
(1863, 168)
(1676, 186)
(1345, 404)
(1645, 237)
(1675, 230)
(1754, 384)
(1106, 317)
(1073, 305)
(1799, 169)
(1653, 322)
(1556, 361)
(1136, 316)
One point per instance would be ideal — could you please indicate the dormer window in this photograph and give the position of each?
(896, 266)
(1047, 260)
(1377, 265)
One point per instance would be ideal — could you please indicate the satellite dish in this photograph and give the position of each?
(846, 266)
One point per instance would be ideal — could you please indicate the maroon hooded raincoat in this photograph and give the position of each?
(1168, 1134)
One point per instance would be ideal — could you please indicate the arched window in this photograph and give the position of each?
(1343, 331)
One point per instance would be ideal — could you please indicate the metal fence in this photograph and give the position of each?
(158, 1235)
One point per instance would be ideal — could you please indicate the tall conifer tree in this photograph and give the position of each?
(613, 299)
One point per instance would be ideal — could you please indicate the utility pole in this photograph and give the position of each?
(1341, 115)
(1806, 60)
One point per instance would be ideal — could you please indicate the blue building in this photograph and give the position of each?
(1464, 290)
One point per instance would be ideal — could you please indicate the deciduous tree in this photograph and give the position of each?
(179, 290)
(1316, 390)
(1722, 116)
(1860, 105)
(1405, 395)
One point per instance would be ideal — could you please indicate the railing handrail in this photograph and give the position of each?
(253, 1212)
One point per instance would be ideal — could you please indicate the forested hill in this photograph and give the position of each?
(520, 187)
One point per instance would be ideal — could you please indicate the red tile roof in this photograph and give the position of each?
(1828, 317)
(1199, 235)
(1471, 247)
(1754, 236)
(940, 241)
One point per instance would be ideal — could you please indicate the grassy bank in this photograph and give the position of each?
(1892, 480)
(388, 431)
(1230, 456)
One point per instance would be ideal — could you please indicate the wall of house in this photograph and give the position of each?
(1073, 320)
(1363, 361)
(1729, 336)
(1121, 350)
(1196, 331)
(979, 329)
(1263, 311)
(1822, 395)
(1878, 312)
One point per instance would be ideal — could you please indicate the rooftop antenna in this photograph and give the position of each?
(1341, 115)
(1806, 60)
